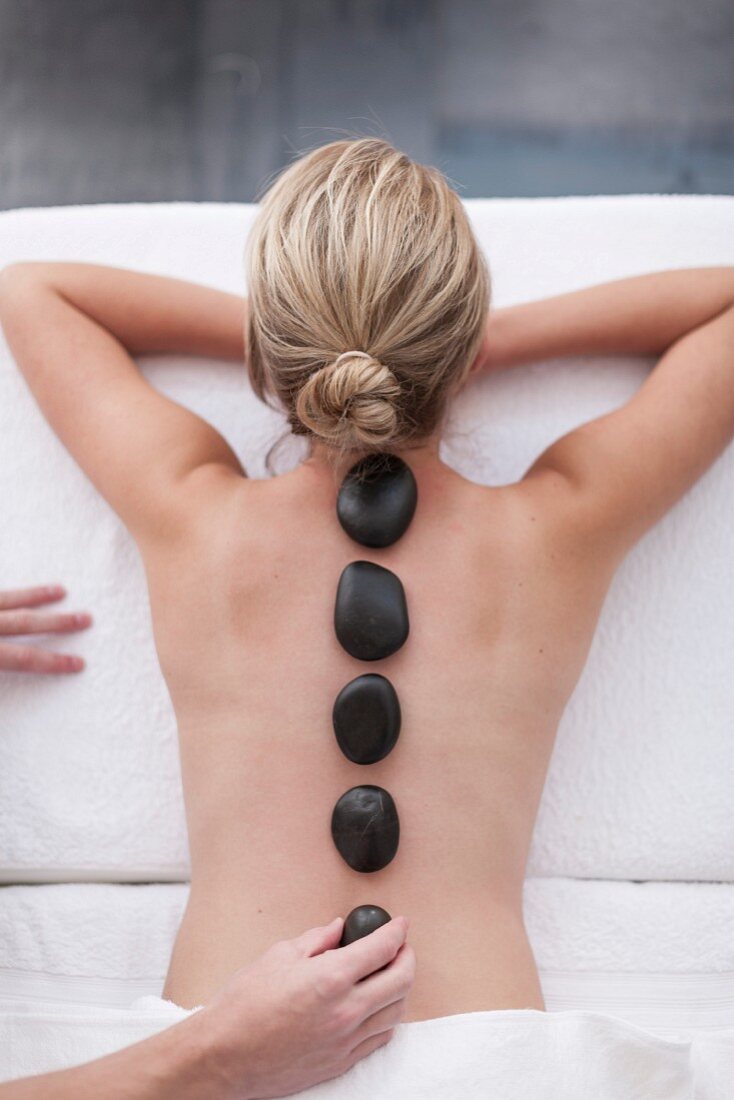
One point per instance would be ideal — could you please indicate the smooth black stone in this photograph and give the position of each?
(365, 827)
(371, 615)
(377, 500)
(366, 718)
(361, 921)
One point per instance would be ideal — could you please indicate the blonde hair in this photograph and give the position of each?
(368, 296)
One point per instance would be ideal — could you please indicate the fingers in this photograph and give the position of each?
(38, 622)
(368, 1045)
(17, 618)
(372, 952)
(384, 1020)
(31, 597)
(27, 658)
(378, 1028)
(390, 985)
(317, 940)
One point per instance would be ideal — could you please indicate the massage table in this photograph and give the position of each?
(629, 897)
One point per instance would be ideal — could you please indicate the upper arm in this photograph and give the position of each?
(137, 446)
(623, 471)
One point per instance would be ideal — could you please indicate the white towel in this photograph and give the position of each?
(642, 779)
(127, 931)
(523, 1054)
(659, 955)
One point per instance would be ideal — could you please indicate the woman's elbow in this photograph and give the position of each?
(19, 282)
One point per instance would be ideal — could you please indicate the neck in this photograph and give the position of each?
(323, 458)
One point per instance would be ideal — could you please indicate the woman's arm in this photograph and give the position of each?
(148, 314)
(641, 315)
(73, 329)
(612, 478)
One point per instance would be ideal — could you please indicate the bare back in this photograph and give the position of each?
(501, 618)
(504, 589)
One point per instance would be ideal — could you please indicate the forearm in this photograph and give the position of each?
(640, 315)
(148, 314)
(172, 1065)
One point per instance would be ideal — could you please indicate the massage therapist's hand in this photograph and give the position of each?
(300, 1014)
(19, 615)
(304, 1013)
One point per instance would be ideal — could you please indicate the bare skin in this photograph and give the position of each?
(20, 617)
(302, 1013)
(481, 685)
(504, 586)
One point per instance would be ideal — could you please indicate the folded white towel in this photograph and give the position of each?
(659, 955)
(124, 931)
(642, 779)
(524, 1054)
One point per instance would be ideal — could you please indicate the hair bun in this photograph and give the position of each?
(351, 402)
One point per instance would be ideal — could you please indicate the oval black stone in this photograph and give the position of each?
(365, 827)
(366, 718)
(370, 615)
(377, 500)
(361, 921)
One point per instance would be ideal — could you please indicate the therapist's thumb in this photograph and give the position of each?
(324, 938)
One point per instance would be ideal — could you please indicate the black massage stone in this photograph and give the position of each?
(371, 615)
(361, 921)
(365, 828)
(366, 718)
(377, 500)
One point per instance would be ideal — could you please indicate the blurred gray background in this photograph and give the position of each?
(123, 100)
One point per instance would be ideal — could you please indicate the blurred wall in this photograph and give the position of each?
(122, 100)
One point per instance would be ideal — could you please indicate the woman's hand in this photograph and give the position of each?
(18, 616)
(304, 1013)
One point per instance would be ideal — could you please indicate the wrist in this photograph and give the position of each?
(189, 1063)
(496, 352)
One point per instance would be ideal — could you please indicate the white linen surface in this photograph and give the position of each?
(525, 1054)
(642, 779)
(659, 955)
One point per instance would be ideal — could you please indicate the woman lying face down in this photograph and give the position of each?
(367, 312)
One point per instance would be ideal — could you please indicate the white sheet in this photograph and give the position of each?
(642, 780)
(524, 1054)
